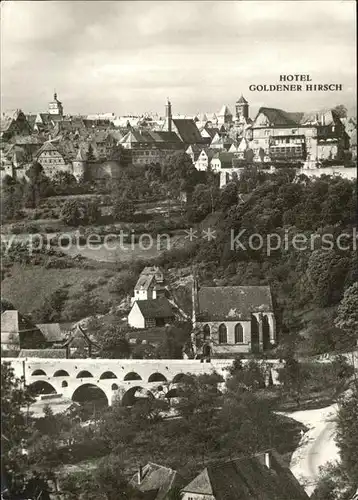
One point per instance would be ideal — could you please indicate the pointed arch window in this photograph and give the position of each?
(206, 331)
(239, 334)
(222, 334)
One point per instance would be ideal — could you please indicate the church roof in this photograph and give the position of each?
(187, 130)
(233, 303)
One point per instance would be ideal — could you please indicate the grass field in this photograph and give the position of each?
(27, 287)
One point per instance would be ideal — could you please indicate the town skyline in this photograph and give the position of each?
(129, 57)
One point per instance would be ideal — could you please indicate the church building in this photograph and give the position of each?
(229, 320)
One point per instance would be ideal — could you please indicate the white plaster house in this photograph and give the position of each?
(150, 313)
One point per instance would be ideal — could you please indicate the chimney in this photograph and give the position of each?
(168, 115)
(140, 474)
(268, 459)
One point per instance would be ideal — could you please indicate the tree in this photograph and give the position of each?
(71, 213)
(107, 482)
(6, 305)
(340, 110)
(123, 209)
(38, 187)
(347, 313)
(14, 397)
(347, 433)
(113, 342)
(179, 173)
(75, 212)
(205, 200)
(326, 273)
(11, 197)
(249, 376)
(248, 424)
(176, 336)
(64, 183)
(52, 308)
(16, 428)
(198, 395)
(293, 377)
(228, 196)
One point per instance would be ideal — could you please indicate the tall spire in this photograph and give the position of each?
(168, 115)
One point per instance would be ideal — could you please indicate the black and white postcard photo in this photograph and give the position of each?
(179, 264)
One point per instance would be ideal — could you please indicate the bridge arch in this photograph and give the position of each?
(41, 387)
(84, 374)
(37, 373)
(132, 376)
(129, 398)
(107, 375)
(90, 392)
(61, 373)
(157, 377)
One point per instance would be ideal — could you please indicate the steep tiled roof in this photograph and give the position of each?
(233, 302)
(224, 111)
(165, 136)
(144, 282)
(279, 117)
(156, 479)
(187, 130)
(65, 147)
(247, 478)
(212, 131)
(155, 308)
(201, 484)
(52, 332)
(43, 353)
(241, 100)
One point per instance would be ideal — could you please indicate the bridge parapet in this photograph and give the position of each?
(118, 376)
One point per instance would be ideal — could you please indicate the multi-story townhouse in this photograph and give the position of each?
(278, 135)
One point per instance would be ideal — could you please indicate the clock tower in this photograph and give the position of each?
(55, 107)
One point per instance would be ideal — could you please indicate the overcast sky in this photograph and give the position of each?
(127, 57)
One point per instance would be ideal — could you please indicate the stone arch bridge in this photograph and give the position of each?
(117, 378)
